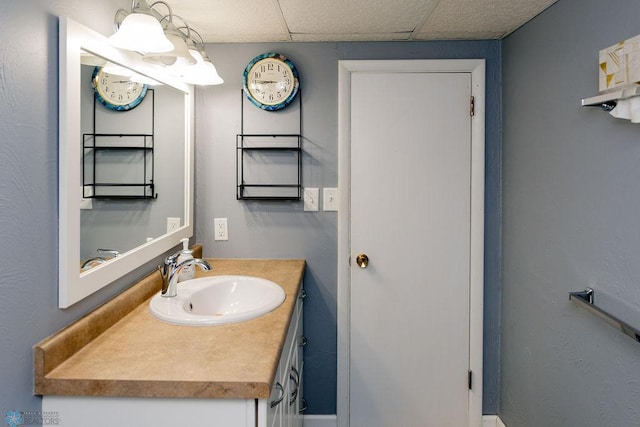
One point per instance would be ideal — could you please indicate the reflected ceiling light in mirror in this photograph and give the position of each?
(118, 70)
(87, 58)
(139, 78)
(139, 30)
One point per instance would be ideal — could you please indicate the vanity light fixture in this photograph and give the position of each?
(180, 55)
(203, 73)
(185, 59)
(139, 30)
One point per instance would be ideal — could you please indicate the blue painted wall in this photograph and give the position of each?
(259, 229)
(571, 203)
(28, 187)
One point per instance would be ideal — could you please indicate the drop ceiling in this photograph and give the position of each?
(355, 20)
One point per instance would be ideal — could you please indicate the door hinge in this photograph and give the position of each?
(470, 380)
(472, 106)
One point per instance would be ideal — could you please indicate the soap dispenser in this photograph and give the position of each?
(188, 271)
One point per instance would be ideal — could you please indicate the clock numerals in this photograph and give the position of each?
(271, 81)
(117, 92)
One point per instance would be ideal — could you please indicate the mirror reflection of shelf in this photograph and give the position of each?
(119, 166)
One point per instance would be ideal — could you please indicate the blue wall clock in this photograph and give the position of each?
(117, 92)
(270, 81)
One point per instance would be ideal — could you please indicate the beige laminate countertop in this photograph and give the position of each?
(120, 349)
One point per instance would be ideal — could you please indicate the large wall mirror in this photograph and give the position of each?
(130, 219)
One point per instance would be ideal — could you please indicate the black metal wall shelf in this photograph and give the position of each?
(136, 148)
(269, 151)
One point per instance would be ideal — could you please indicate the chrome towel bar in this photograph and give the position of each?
(586, 298)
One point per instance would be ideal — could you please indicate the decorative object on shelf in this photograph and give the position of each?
(261, 160)
(117, 92)
(619, 65)
(164, 43)
(619, 80)
(270, 81)
(627, 109)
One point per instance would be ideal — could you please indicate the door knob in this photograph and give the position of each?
(362, 260)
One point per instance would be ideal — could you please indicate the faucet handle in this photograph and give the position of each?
(111, 252)
(171, 259)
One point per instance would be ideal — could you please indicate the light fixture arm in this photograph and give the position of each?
(196, 42)
(142, 5)
(159, 15)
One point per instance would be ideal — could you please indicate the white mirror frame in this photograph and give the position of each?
(73, 285)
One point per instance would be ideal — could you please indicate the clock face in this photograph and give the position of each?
(117, 92)
(271, 81)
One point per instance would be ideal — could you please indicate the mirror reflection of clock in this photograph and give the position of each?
(117, 92)
(271, 81)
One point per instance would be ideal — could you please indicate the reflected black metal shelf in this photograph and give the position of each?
(126, 145)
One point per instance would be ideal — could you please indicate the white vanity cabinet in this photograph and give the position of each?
(282, 409)
(285, 404)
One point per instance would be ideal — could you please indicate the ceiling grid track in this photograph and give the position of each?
(283, 21)
(423, 19)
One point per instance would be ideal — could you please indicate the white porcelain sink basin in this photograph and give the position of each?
(218, 300)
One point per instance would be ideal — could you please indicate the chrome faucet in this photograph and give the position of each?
(170, 271)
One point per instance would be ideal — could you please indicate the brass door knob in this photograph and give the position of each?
(362, 260)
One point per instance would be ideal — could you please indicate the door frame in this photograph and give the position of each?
(476, 67)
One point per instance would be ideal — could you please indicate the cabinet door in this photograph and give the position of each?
(294, 417)
(283, 407)
(298, 365)
(295, 381)
(276, 403)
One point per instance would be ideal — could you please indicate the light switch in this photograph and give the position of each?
(311, 196)
(330, 199)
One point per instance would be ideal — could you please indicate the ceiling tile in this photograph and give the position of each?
(310, 37)
(479, 19)
(340, 17)
(355, 20)
(233, 20)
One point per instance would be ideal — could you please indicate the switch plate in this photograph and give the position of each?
(220, 229)
(311, 196)
(172, 224)
(330, 199)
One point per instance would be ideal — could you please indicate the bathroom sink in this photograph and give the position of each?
(218, 300)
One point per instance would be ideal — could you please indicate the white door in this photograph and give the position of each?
(411, 214)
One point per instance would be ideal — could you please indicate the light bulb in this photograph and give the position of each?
(141, 33)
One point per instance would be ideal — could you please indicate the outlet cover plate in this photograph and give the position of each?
(330, 199)
(220, 231)
(172, 224)
(311, 196)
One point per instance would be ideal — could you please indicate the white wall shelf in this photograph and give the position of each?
(608, 101)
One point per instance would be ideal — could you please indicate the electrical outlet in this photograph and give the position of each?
(172, 224)
(330, 199)
(220, 229)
